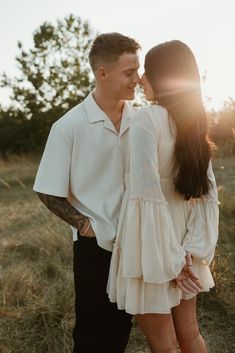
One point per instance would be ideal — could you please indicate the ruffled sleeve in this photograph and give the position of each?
(202, 226)
(150, 249)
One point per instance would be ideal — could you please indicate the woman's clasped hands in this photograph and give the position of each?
(187, 281)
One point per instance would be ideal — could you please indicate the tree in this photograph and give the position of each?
(54, 74)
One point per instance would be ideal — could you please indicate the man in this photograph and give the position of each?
(81, 180)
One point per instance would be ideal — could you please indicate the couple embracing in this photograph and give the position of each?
(138, 189)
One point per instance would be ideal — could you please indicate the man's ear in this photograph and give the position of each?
(101, 73)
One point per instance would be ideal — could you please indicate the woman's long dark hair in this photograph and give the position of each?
(173, 74)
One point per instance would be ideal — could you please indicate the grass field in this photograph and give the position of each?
(36, 280)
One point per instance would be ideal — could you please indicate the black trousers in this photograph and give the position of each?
(100, 327)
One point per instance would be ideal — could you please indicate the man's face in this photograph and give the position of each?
(122, 77)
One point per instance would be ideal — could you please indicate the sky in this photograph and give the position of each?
(207, 26)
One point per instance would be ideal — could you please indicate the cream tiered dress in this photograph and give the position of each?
(157, 225)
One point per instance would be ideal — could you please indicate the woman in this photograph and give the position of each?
(170, 207)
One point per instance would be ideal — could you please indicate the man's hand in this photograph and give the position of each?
(87, 229)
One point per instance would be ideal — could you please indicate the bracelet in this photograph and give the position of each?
(86, 230)
(81, 223)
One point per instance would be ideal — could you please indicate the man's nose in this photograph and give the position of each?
(137, 78)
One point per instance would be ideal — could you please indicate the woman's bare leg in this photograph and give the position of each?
(186, 327)
(159, 331)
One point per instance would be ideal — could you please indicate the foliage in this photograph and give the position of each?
(54, 77)
(222, 128)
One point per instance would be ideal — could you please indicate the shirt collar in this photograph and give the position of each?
(95, 114)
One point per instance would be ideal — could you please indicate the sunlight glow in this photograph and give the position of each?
(207, 27)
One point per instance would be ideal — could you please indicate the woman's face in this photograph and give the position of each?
(148, 91)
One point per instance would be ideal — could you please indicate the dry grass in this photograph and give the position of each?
(36, 280)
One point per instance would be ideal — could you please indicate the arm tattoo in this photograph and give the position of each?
(63, 209)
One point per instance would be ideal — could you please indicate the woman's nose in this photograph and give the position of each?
(136, 78)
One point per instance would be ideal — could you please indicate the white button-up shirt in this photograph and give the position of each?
(85, 160)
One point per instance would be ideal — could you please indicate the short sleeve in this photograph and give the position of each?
(202, 226)
(151, 249)
(53, 173)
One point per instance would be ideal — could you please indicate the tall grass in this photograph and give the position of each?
(36, 278)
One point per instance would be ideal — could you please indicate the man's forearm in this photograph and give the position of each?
(63, 209)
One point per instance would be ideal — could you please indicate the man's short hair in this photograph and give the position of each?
(108, 47)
